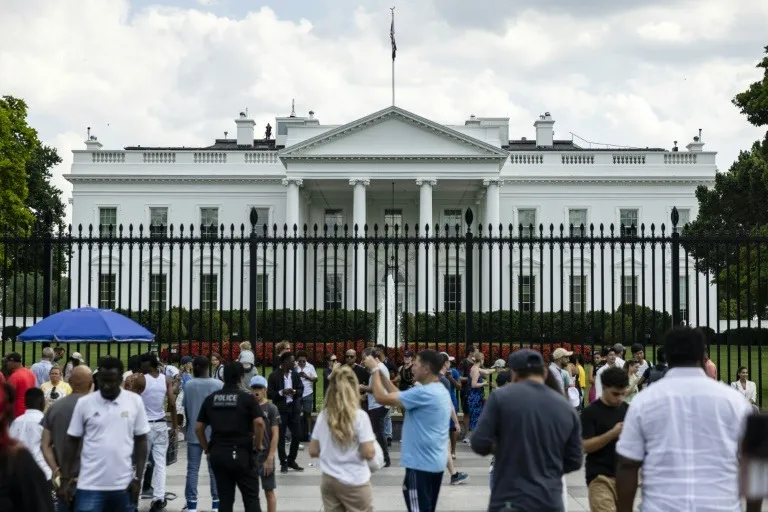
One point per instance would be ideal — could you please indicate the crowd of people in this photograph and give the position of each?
(77, 440)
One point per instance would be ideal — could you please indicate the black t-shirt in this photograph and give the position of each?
(597, 419)
(391, 366)
(464, 368)
(230, 413)
(23, 485)
(503, 378)
(363, 377)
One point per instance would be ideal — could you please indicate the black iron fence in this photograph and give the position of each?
(333, 287)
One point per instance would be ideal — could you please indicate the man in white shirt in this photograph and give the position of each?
(112, 426)
(377, 411)
(620, 350)
(28, 430)
(684, 431)
(611, 361)
(42, 368)
(638, 353)
(308, 376)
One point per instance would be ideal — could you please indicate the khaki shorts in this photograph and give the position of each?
(602, 494)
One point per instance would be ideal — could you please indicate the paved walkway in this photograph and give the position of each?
(300, 492)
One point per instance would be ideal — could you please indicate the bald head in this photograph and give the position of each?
(81, 379)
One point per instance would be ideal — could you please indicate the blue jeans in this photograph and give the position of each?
(194, 457)
(388, 424)
(62, 506)
(99, 501)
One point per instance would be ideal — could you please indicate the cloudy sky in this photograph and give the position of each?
(177, 72)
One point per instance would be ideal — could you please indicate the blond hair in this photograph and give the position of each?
(246, 345)
(341, 404)
(478, 357)
(282, 347)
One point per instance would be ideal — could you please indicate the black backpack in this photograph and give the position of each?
(657, 374)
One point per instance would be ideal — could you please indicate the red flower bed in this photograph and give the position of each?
(317, 352)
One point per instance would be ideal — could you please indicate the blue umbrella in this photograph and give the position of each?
(87, 324)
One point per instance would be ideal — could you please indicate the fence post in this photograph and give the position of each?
(675, 271)
(252, 280)
(469, 285)
(47, 266)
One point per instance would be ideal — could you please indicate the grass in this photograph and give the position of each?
(728, 360)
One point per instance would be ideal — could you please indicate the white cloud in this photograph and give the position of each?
(178, 76)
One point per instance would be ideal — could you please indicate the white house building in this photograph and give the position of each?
(390, 167)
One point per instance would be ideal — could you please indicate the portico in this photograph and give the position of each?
(387, 163)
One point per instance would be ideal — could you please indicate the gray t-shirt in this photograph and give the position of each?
(56, 420)
(195, 392)
(271, 418)
(529, 474)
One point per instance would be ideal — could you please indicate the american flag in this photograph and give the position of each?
(392, 37)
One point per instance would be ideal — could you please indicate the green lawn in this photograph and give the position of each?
(727, 359)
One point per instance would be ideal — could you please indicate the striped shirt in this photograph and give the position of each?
(686, 430)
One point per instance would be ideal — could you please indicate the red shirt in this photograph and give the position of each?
(22, 380)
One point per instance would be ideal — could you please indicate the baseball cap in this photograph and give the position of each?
(247, 357)
(499, 363)
(258, 381)
(561, 352)
(524, 359)
(409, 353)
(186, 359)
(447, 356)
(13, 357)
(78, 356)
(333, 357)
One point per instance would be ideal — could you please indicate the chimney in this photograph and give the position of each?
(244, 130)
(545, 134)
(91, 142)
(311, 121)
(697, 145)
(472, 121)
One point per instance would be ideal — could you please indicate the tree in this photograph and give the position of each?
(734, 211)
(17, 144)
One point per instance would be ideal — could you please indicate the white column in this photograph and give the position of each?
(491, 256)
(426, 254)
(359, 219)
(292, 217)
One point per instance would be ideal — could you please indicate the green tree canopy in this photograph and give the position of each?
(736, 209)
(17, 143)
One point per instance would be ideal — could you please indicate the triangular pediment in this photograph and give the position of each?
(393, 133)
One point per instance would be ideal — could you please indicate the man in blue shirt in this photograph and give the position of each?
(425, 429)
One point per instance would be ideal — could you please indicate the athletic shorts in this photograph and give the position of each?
(268, 482)
(421, 490)
(465, 403)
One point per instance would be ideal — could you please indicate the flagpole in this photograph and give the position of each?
(392, 36)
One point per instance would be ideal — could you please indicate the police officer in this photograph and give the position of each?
(237, 428)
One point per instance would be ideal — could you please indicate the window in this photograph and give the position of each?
(394, 217)
(685, 218)
(684, 298)
(628, 222)
(629, 290)
(209, 289)
(455, 221)
(452, 292)
(334, 291)
(108, 221)
(158, 221)
(262, 219)
(527, 217)
(527, 293)
(262, 295)
(107, 291)
(209, 222)
(334, 217)
(158, 291)
(577, 217)
(578, 294)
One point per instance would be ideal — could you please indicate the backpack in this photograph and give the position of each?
(657, 374)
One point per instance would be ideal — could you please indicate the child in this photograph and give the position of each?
(266, 456)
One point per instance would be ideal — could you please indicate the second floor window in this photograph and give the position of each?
(685, 218)
(209, 222)
(628, 222)
(158, 221)
(527, 217)
(577, 217)
(108, 221)
(263, 219)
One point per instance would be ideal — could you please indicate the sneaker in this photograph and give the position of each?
(295, 466)
(465, 440)
(459, 478)
(389, 441)
(157, 505)
(301, 447)
(147, 493)
(215, 506)
(190, 507)
(387, 463)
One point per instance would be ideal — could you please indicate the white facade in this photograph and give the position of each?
(390, 160)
